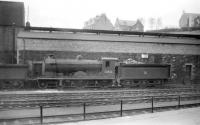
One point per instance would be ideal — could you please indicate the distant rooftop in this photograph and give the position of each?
(125, 22)
(99, 22)
(189, 20)
(129, 25)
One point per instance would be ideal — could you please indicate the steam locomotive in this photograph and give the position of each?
(80, 73)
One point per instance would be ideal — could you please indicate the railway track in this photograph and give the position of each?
(94, 94)
(24, 108)
(10, 101)
(77, 102)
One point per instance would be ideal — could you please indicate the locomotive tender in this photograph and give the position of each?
(65, 73)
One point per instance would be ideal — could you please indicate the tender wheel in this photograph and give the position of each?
(42, 85)
(6, 85)
(143, 84)
(126, 83)
(18, 84)
(107, 83)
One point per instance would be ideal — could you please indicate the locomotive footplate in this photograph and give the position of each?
(44, 83)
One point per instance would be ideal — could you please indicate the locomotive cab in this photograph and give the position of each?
(109, 68)
(108, 65)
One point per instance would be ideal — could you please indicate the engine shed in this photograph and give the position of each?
(181, 51)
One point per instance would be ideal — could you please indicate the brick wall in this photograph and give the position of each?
(177, 62)
(6, 44)
(7, 39)
(106, 46)
(173, 51)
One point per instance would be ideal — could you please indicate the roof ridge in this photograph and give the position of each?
(191, 13)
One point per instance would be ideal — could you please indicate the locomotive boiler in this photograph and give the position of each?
(80, 73)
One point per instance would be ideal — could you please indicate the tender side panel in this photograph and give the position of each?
(13, 71)
(146, 72)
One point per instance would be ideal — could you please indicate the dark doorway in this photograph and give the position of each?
(188, 71)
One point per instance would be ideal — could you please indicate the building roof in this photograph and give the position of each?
(125, 22)
(189, 20)
(191, 14)
(105, 37)
(99, 22)
(128, 25)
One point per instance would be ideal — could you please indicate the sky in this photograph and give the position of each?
(73, 13)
